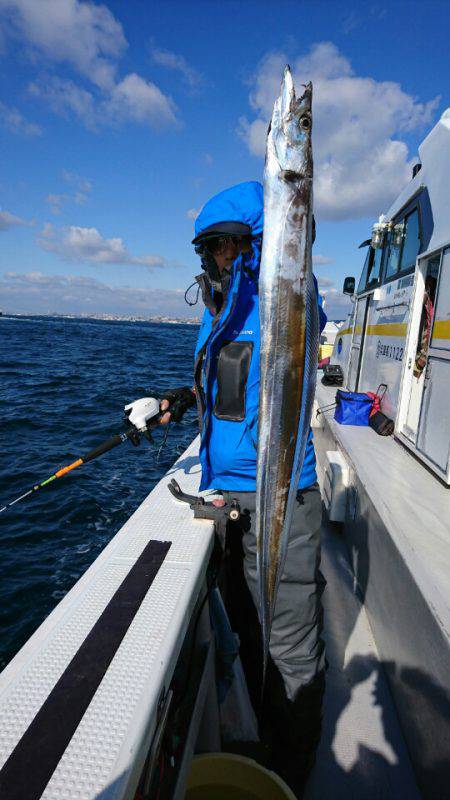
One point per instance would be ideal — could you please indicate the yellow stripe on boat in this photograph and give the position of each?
(441, 329)
(387, 329)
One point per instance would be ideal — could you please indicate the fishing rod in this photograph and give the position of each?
(143, 414)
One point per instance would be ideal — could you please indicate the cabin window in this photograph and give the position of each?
(363, 278)
(395, 246)
(375, 266)
(372, 269)
(404, 244)
(411, 244)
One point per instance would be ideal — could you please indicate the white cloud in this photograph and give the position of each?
(12, 119)
(325, 283)
(351, 22)
(56, 202)
(66, 98)
(87, 245)
(80, 199)
(360, 161)
(133, 99)
(178, 63)
(81, 189)
(192, 213)
(337, 305)
(366, 19)
(84, 35)
(8, 220)
(139, 100)
(88, 38)
(29, 277)
(318, 259)
(48, 229)
(35, 292)
(82, 184)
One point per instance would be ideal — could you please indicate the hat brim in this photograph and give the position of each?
(223, 229)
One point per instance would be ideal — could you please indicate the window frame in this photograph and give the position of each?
(369, 285)
(419, 200)
(401, 217)
(364, 272)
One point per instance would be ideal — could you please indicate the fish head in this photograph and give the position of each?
(289, 144)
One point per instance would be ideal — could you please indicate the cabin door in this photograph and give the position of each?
(356, 349)
(433, 437)
(424, 416)
(420, 333)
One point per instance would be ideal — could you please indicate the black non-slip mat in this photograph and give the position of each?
(30, 766)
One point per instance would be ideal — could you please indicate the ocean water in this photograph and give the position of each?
(63, 386)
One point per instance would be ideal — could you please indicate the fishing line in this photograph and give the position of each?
(163, 443)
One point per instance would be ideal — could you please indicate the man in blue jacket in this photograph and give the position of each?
(228, 234)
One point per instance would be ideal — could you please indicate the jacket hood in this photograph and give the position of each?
(241, 203)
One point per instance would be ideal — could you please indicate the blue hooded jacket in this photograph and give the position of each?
(227, 357)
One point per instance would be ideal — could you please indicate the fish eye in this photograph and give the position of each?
(305, 122)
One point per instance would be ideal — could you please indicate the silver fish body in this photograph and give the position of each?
(289, 335)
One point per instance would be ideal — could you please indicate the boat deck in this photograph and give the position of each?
(362, 753)
(410, 499)
(396, 529)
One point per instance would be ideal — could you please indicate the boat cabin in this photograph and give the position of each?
(398, 332)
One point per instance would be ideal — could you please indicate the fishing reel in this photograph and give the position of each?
(143, 415)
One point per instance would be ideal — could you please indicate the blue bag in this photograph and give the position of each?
(352, 408)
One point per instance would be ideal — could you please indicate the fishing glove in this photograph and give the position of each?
(179, 401)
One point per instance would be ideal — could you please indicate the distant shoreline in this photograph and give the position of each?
(109, 318)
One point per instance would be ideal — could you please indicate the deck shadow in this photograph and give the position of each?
(187, 465)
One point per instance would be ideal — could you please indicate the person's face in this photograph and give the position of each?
(226, 249)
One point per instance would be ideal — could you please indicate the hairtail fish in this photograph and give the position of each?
(289, 335)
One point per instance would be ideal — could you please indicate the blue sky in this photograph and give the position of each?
(119, 120)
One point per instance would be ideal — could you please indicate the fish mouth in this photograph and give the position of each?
(287, 93)
(291, 105)
(304, 105)
(306, 97)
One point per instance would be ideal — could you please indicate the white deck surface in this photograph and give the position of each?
(412, 502)
(362, 754)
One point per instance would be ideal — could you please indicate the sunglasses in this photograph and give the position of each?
(217, 245)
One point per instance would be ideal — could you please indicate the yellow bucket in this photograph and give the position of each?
(225, 776)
